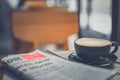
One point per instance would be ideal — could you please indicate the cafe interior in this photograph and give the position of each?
(27, 25)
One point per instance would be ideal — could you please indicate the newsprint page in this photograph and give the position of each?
(39, 65)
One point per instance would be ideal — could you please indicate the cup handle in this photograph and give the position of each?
(115, 45)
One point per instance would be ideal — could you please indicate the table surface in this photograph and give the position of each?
(65, 55)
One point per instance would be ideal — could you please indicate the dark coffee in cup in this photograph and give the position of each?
(90, 49)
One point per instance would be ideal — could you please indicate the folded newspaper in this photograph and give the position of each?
(39, 65)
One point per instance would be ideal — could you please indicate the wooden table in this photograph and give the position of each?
(41, 25)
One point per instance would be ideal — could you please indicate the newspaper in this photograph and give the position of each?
(38, 65)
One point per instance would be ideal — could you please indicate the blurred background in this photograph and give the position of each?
(32, 24)
(26, 25)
